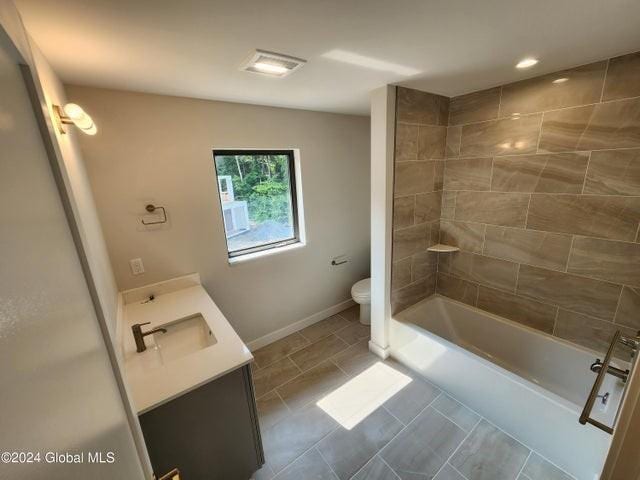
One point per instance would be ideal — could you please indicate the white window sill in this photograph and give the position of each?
(265, 253)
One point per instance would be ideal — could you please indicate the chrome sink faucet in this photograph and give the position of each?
(138, 335)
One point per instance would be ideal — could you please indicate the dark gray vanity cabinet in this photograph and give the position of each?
(209, 433)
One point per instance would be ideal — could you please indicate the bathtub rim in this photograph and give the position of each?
(526, 382)
(580, 348)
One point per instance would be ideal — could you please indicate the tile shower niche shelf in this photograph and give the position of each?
(441, 248)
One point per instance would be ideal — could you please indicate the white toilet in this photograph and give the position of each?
(361, 293)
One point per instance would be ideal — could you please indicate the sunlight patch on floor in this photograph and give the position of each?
(355, 400)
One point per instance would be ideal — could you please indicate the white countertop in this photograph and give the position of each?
(151, 383)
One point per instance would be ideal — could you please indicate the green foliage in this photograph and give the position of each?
(261, 180)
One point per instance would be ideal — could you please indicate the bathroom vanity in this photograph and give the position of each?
(192, 386)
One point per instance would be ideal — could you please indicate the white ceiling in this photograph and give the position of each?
(193, 48)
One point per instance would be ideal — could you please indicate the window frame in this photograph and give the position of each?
(291, 159)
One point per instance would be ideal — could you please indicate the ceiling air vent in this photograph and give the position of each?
(272, 64)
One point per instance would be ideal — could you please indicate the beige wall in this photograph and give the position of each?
(58, 388)
(158, 149)
(421, 132)
(81, 198)
(542, 195)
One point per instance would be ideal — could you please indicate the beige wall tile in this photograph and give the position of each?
(542, 249)
(406, 142)
(623, 77)
(614, 172)
(618, 262)
(428, 207)
(491, 272)
(414, 177)
(438, 181)
(474, 107)
(464, 235)
(412, 294)
(507, 136)
(629, 308)
(434, 236)
(425, 108)
(448, 204)
(590, 215)
(507, 209)
(457, 288)
(401, 273)
(522, 310)
(423, 265)
(432, 142)
(403, 209)
(410, 240)
(545, 173)
(453, 141)
(593, 127)
(583, 86)
(580, 294)
(588, 332)
(467, 174)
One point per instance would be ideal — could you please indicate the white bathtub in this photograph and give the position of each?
(531, 385)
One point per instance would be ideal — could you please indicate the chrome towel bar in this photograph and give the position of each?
(591, 400)
(602, 368)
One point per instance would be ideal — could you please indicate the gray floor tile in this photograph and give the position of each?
(276, 374)
(311, 355)
(537, 468)
(456, 412)
(490, 454)
(376, 469)
(411, 400)
(419, 451)
(348, 450)
(354, 332)
(310, 466)
(324, 327)
(291, 437)
(448, 473)
(279, 349)
(271, 409)
(356, 359)
(265, 473)
(312, 385)
(352, 313)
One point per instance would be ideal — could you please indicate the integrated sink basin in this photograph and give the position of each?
(183, 337)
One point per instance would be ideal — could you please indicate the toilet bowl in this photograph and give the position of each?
(361, 294)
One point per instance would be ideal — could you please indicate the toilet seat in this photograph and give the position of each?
(361, 291)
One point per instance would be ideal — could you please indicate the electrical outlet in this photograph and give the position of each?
(137, 267)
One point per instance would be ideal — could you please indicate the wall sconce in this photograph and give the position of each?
(73, 114)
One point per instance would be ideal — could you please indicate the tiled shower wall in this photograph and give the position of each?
(421, 132)
(541, 192)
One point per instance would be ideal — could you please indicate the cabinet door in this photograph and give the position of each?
(209, 433)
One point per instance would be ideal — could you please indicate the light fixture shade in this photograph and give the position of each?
(81, 119)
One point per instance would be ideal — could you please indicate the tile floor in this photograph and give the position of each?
(419, 433)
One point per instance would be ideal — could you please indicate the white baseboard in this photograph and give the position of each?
(378, 350)
(299, 325)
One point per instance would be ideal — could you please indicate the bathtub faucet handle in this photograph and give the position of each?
(632, 342)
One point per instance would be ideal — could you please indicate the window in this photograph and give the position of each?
(258, 196)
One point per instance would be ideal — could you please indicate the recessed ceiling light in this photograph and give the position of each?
(560, 80)
(272, 64)
(526, 63)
